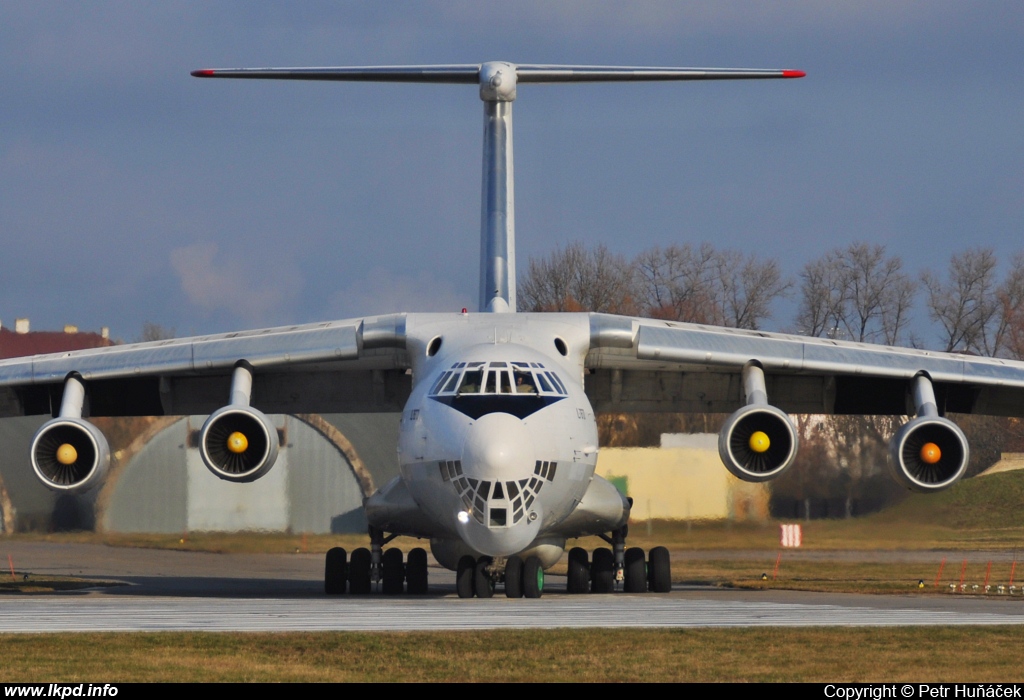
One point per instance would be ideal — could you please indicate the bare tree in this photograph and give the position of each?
(748, 288)
(704, 285)
(858, 291)
(966, 304)
(154, 331)
(577, 279)
(678, 283)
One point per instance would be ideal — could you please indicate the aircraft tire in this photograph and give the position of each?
(514, 578)
(578, 579)
(636, 571)
(483, 586)
(416, 572)
(464, 576)
(602, 571)
(659, 570)
(359, 571)
(335, 571)
(393, 573)
(533, 578)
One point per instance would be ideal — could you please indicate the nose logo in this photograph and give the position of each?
(478, 405)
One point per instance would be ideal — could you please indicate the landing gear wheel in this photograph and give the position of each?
(514, 578)
(359, 571)
(533, 578)
(602, 571)
(335, 571)
(659, 570)
(394, 572)
(636, 571)
(416, 572)
(483, 586)
(464, 576)
(578, 579)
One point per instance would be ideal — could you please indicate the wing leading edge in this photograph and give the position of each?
(648, 365)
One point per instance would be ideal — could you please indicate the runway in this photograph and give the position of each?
(185, 591)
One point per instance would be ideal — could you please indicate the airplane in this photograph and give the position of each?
(498, 440)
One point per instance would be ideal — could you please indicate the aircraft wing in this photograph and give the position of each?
(638, 364)
(354, 365)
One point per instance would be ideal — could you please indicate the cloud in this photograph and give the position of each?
(383, 291)
(257, 297)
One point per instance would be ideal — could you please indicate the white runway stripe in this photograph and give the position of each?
(51, 614)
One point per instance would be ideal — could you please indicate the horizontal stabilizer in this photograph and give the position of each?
(470, 73)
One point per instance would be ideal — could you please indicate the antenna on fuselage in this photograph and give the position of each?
(498, 81)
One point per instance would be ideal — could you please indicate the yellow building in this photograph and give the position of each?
(684, 479)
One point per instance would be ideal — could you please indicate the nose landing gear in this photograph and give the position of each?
(477, 577)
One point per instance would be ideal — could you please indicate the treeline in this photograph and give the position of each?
(858, 293)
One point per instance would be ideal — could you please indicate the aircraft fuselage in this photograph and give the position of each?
(498, 442)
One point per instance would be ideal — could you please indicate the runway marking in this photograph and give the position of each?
(375, 613)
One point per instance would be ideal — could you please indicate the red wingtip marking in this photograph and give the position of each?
(206, 73)
(789, 74)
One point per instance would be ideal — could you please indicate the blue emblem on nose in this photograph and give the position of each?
(476, 405)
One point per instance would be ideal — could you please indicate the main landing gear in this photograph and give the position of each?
(521, 577)
(376, 565)
(619, 565)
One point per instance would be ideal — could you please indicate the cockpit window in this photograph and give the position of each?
(516, 378)
(471, 382)
(524, 382)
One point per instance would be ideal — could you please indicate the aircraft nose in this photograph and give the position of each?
(498, 447)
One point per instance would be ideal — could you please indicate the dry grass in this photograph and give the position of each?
(766, 654)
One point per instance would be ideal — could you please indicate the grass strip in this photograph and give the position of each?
(899, 654)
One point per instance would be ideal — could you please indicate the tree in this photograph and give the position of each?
(577, 279)
(965, 304)
(748, 288)
(154, 331)
(859, 292)
(704, 285)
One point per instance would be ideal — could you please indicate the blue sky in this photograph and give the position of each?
(130, 191)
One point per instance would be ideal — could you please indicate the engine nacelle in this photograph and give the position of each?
(70, 455)
(238, 443)
(928, 454)
(758, 443)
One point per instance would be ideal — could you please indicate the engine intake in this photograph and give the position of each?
(758, 443)
(238, 443)
(928, 454)
(69, 454)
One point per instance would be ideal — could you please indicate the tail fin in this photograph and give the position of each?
(497, 81)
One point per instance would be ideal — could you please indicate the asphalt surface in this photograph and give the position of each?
(172, 590)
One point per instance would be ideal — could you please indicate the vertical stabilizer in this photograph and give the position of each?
(498, 82)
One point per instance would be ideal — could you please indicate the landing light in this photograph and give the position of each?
(67, 454)
(930, 453)
(759, 442)
(463, 517)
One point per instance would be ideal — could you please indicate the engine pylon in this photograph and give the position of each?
(68, 453)
(237, 442)
(759, 441)
(930, 453)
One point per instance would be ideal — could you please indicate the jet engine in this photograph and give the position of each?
(237, 442)
(759, 441)
(929, 453)
(70, 455)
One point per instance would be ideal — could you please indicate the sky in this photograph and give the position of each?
(131, 192)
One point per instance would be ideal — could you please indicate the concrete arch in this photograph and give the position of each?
(159, 484)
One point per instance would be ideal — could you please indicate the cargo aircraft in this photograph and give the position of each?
(498, 440)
